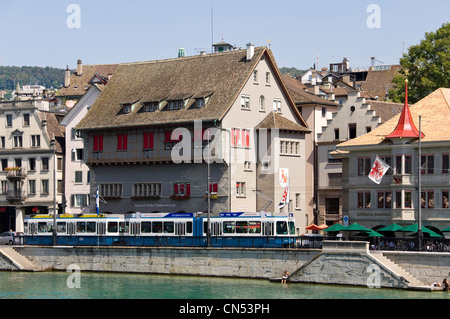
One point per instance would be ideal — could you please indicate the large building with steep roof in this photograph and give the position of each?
(152, 131)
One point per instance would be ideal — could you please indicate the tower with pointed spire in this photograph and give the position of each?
(405, 127)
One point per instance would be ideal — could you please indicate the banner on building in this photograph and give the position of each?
(378, 170)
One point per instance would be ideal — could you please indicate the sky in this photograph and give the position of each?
(55, 33)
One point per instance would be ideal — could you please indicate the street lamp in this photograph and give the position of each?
(53, 145)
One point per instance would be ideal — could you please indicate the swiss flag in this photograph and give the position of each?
(379, 168)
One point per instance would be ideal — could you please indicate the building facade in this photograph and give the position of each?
(213, 132)
(397, 198)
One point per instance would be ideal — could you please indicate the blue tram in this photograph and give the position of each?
(161, 229)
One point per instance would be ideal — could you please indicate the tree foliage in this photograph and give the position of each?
(30, 75)
(426, 66)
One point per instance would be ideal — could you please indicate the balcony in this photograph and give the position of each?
(15, 173)
(16, 196)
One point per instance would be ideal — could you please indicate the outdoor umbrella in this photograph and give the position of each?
(335, 227)
(313, 227)
(414, 227)
(446, 229)
(356, 227)
(392, 227)
(374, 233)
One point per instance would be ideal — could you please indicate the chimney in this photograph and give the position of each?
(79, 67)
(372, 61)
(67, 78)
(250, 51)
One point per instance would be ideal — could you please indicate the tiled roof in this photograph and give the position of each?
(435, 112)
(220, 77)
(385, 110)
(80, 84)
(275, 120)
(379, 82)
(53, 128)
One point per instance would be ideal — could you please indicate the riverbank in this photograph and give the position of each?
(342, 263)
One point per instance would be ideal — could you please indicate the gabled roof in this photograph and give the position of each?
(378, 82)
(435, 112)
(277, 121)
(79, 84)
(220, 77)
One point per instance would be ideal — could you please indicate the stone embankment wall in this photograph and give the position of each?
(246, 263)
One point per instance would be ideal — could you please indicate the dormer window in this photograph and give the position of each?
(151, 107)
(126, 108)
(176, 105)
(199, 103)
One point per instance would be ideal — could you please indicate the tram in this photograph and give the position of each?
(161, 229)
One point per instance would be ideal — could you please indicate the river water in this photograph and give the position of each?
(62, 285)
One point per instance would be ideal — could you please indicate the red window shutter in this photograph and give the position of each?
(233, 134)
(188, 189)
(100, 143)
(124, 142)
(168, 139)
(215, 187)
(95, 143)
(247, 138)
(181, 188)
(175, 189)
(243, 138)
(146, 140)
(150, 141)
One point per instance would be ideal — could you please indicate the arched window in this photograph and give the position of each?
(262, 103)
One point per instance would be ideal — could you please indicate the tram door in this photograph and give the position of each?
(180, 229)
(268, 229)
(101, 229)
(135, 229)
(216, 229)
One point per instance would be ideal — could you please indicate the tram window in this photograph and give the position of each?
(282, 228)
(254, 227)
(157, 227)
(168, 227)
(90, 227)
(124, 227)
(229, 227)
(291, 228)
(81, 227)
(189, 227)
(42, 227)
(61, 227)
(112, 227)
(25, 228)
(146, 227)
(241, 227)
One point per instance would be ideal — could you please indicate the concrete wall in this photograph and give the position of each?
(246, 263)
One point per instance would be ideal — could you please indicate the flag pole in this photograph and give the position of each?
(419, 189)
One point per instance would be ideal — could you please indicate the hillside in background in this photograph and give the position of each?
(292, 71)
(30, 75)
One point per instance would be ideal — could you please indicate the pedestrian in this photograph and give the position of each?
(445, 284)
(286, 276)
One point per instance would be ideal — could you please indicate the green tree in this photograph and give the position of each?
(426, 66)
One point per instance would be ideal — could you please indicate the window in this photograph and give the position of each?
(398, 164)
(245, 102)
(199, 103)
(289, 148)
(408, 165)
(351, 131)
(147, 189)
(268, 78)
(445, 164)
(247, 166)
(262, 103)
(277, 105)
(45, 187)
(45, 163)
(168, 142)
(78, 177)
(150, 107)
(18, 141)
(334, 179)
(427, 164)
(31, 164)
(384, 199)
(445, 199)
(182, 189)
(77, 154)
(4, 187)
(336, 134)
(364, 199)
(2, 142)
(32, 186)
(388, 160)
(126, 108)
(213, 188)
(4, 164)
(9, 120)
(255, 76)
(26, 119)
(368, 129)
(148, 141)
(110, 190)
(240, 189)
(364, 165)
(35, 141)
(408, 199)
(122, 142)
(79, 200)
(324, 111)
(98, 143)
(240, 137)
(176, 105)
(18, 162)
(427, 199)
(331, 206)
(398, 199)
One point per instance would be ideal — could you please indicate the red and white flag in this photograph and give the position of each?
(379, 168)
(284, 198)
